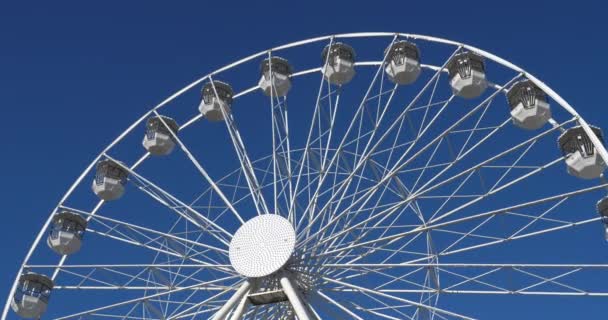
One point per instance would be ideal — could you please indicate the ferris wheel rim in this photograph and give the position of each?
(550, 92)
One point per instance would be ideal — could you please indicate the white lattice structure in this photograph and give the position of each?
(377, 193)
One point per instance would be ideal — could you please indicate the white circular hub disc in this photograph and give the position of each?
(262, 246)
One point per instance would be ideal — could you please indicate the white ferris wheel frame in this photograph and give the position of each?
(209, 77)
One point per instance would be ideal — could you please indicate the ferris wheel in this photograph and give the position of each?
(363, 176)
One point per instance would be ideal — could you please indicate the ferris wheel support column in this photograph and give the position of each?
(236, 297)
(239, 311)
(296, 300)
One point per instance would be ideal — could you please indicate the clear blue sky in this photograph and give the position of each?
(74, 75)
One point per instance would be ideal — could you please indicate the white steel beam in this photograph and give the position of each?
(296, 300)
(236, 297)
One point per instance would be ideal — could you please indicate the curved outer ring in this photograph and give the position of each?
(556, 97)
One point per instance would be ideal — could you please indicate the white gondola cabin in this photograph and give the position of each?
(110, 180)
(338, 63)
(467, 75)
(32, 295)
(159, 139)
(529, 107)
(67, 231)
(217, 96)
(279, 83)
(402, 62)
(582, 158)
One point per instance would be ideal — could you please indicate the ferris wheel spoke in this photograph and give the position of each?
(430, 270)
(168, 247)
(396, 298)
(241, 152)
(354, 195)
(99, 203)
(519, 279)
(369, 249)
(236, 198)
(323, 306)
(130, 277)
(176, 205)
(404, 160)
(327, 213)
(476, 280)
(359, 112)
(282, 166)
(276, 113)
(493, 240)
(309, 141)
(283, 157)
(496, 184)
(461, 155)
(196, 308)
(200, 168)
(486, 244)
(398, 122)
(521, 236)
(187, 303)
(88, 281)
(324, 169)
(313, 309)
(344, 185)
(160, 248)
(148, 233)
(282, 182)
(552, 280)
(339, 305)
(426, 188)
(533, 219)
(145, 298)
(381, 311)
(512, 238)
(400, 279)
(248, 170)
(399, 125)
(374, 166)
(402, 192)
(317, 149)
(120, 281)
(492, 192)
(368, 151)
(389, 239)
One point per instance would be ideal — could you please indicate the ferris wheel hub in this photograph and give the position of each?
(262, 246)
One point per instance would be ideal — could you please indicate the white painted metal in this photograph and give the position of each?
(234, 300)
(295, 298)
(275, 81)
(160, 144)
(240, 309)
(339, 68)
(262, 246)
(67, 233)
(529, 107)
(319, 226)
